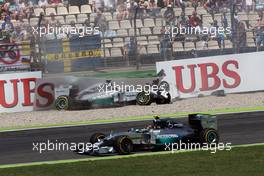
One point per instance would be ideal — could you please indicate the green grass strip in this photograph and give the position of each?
(113, 157)
(124, 74)
(135, 118)
(248, 158)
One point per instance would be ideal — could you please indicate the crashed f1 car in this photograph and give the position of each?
(202, 128)
(68, 97)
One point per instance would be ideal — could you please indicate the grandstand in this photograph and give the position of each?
(118, 31)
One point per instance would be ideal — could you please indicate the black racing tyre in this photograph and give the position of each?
(123, 145)
(209, 136)
(160, 101)
(143, 98)
(63, 103)
(97, 137)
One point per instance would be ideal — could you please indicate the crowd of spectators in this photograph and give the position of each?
(236, 34)
(16, 13)
(20, 11)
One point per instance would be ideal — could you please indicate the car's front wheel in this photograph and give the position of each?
(123, 145)
(209, 136)
(143, 98)
(97, 137)
(63, 103)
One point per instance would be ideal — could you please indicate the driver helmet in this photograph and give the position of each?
(157, 122)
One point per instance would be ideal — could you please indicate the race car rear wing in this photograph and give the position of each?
(202, 121)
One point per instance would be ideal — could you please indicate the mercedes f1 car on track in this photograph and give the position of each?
(202, 129)
(68, 97)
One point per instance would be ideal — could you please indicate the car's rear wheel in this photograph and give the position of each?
(123, 145)
(97, 137)
(63, 103)
(209, 136)
(143, 98)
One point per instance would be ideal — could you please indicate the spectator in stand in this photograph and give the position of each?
(211, 7)
(222, 4)
(182, 20)
(98, 5)
(259, 28)
(241, 36)
(167, 2)
(152, 8)
(33, 2)
(178, 3)
(43, 22)
(215, 35)
(194, 24)
(56, 3)
(12, 8)
(194, 20)
(181, 4)
(73, 31)
(161, 4)
(130, 8)
(141, 8)
(169, 15)
(100, 21)
(87, 23)
(22, 5)
(249, 5)
(224, 21)
(43, 3)
(236, 21)
(7, 25)
(1, 8)
(29, 13)
(233, 35)
(130, 48)
(21, 22)
(195, 4)
(165, 44)
(260, 6)
(110, 5)
(122, 12)
(18, 35)
(53, 22)
(24, 28)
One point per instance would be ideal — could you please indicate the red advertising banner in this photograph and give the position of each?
(17, 91)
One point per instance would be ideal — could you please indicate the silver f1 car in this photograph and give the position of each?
(68, 97)
(202, 128)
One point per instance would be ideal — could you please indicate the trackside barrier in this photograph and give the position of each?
(202, 76)
(17, 91)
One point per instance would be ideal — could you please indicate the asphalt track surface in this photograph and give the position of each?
(17, 147)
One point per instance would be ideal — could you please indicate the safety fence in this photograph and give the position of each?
(96, 52)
